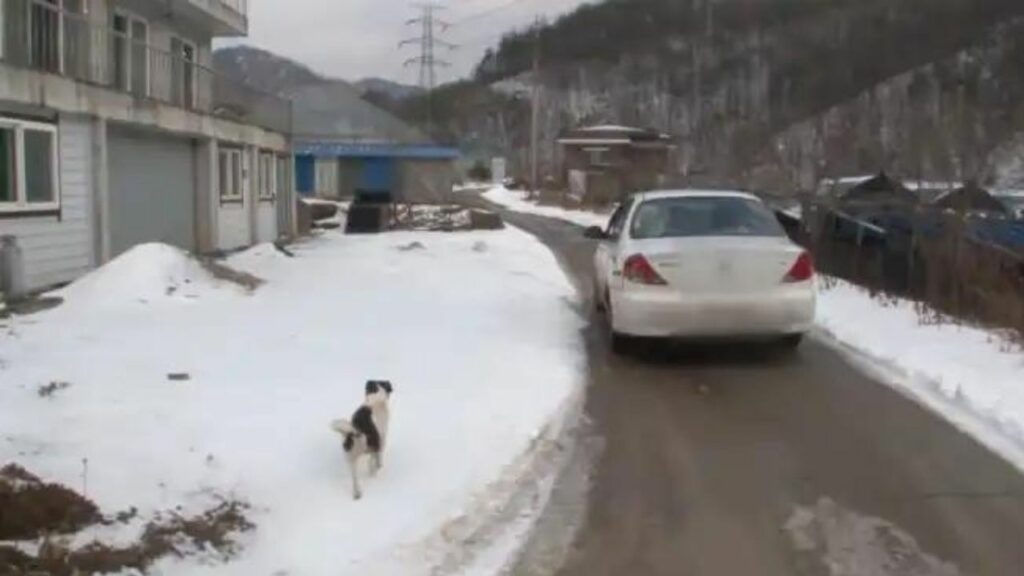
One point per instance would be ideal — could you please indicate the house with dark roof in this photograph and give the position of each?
(602, 164)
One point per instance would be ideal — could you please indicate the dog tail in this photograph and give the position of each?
(343, 427)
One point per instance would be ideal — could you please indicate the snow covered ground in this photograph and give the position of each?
(475, 330)
(516, 200)
(971, 376)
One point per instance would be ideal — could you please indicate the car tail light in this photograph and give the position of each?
(639, 271)
(802, 270)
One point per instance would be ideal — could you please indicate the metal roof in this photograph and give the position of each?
(375, 150)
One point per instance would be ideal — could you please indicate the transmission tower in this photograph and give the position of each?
(431, 28)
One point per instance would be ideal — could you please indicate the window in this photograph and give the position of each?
(282, 175)
(139, 57)
(229, 169)
(183, 72)
(28, 166)
(267, 178)
(131, 54)
(618, 219)
(45, 35)
(703, 216)
(598, 156)
(122, 74)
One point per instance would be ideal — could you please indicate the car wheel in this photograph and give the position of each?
(792, 341)
(622, 344)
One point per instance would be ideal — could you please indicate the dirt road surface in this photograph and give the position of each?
(739, 460)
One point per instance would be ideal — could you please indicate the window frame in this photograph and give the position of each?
(623, 212)
(235, 174)
(21, 204)
(189, 69)
(266, 189)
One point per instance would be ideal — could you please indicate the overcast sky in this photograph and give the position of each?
(353, 39)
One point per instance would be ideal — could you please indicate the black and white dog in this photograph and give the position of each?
(367, 433)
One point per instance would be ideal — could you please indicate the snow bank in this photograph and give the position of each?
(516, 200)
(145, 273)
(475, 329)
(973, 377)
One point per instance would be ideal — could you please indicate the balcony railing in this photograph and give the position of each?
(232, 9)
(38, 35)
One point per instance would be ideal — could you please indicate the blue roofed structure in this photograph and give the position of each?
(347, 148)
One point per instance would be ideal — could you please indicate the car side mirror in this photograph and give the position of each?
(595, 233)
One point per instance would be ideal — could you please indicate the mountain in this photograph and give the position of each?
(262, 69)
(392, 90)
(323, 109)
(764, 92)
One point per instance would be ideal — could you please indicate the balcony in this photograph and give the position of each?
(37, 35)
(231, 16)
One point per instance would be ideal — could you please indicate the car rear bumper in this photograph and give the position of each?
(663, 312)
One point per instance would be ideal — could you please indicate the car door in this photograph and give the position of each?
(607, 252)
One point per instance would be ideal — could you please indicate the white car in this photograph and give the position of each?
(701, 264)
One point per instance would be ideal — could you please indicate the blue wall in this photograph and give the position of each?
(305, 174)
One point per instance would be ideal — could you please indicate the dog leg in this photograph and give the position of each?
(377, 463)
(353, 466)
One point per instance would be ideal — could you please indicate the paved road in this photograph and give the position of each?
(732, 461)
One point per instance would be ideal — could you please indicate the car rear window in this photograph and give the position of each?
(703, 216)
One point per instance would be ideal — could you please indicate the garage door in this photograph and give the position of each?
(152, 191)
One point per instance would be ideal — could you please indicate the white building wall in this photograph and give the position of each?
(58, 249)
(266, 221)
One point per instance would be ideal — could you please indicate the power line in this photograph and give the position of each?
(431, 27)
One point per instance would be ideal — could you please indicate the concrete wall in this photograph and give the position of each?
(60, 248)
(37, 90)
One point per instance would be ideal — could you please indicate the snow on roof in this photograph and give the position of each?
(611, 128)
(595, 141)
(695, 193)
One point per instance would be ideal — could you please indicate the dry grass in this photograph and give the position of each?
(31, 510)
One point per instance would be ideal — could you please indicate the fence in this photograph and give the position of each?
(39, 35)
(938, 260)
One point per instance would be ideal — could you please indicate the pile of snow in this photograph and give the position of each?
(476, 330)
(146, 273)
(973, 377)
(517, 201)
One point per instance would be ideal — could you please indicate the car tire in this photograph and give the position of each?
(622, 344)
(792, 341)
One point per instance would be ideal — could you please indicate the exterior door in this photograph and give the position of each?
(152, 191)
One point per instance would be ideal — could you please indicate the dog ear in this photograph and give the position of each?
(386, 385)
(371, 387)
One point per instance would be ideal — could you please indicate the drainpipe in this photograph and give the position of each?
(12, 268)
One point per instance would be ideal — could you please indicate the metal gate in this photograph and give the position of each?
(152, 191)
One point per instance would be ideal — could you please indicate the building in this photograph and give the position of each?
(974, 200)
(415, 174)
(348, 148)
(115, 131)
(602, 164)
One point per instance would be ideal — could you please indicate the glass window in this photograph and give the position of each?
(266, 174)
(282, 175)
(703, 216)
(618, 219)
(28, 166)
(8, 174)
(39, 158)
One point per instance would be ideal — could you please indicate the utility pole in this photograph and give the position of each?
(430, 28)
(535, 111)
